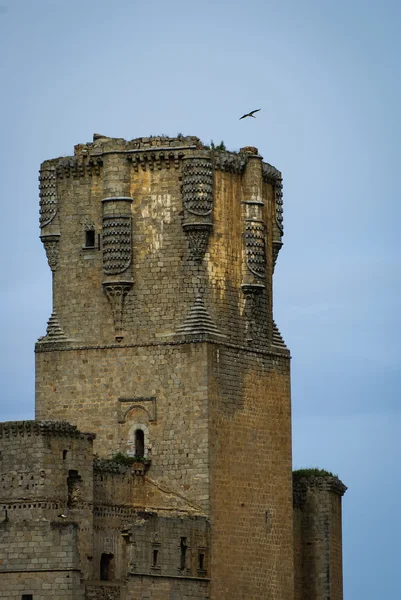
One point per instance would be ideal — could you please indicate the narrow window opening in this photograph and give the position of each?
(155, 558)
(90, 238)
(139, 443)
(183, 557)
(107, 567)
(27, 597)
(201, 561)
(65, 452)
(74, 481)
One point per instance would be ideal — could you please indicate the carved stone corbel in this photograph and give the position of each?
(51, 243)
(197, 194)
(198, 237)
(48, 195)
(117, 256)
(116, 293)
(272, 176)
(254, 279)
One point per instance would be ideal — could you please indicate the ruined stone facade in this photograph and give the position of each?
(162, 344)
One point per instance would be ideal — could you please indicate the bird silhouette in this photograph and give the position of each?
(250, 114)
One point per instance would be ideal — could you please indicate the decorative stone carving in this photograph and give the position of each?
(79, 166)
(48, 196)
(117, 255)
(276, 250)
(156, 159)
(255, 248)
(231, 163)
(254, 277)
(273, 176)
(277, 339)
(279, 206)
(54, 332)
(51, 243)
(197, 186)
(116, 293)
(198, 236)
(198, 321)
(255, 268)
(46, 428)
(197, 194)
(117, 244)
(146, 403)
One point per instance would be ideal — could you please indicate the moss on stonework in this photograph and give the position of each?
(124, 459)
(313, 472)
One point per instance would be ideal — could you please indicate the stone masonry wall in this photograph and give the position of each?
(317, 538)
(39, 558)
(162, 588)
(46, 470)
(169, 546)
(250, 461)
(86, 387)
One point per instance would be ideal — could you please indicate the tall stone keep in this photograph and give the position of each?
(162, 344)
(162, 253)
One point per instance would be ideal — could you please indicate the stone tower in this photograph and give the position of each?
(161, 346)
(162, 340)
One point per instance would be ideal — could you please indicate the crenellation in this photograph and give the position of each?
(12, 429)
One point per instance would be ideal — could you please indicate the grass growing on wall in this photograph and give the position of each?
(124, 459)
(313, 472)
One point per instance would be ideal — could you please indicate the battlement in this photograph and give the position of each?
(13, 429)
(179, 239)
(317, 484)
(105, 143)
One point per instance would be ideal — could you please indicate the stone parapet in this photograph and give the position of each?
(12, 429)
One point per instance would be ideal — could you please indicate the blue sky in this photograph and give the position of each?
(327, 77)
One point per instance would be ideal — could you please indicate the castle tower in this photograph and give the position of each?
(46, 521)
(162, 339)
(317, 536)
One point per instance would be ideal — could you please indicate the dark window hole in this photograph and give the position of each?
(201, 561)
(90, 238)
(107, 567)
(155, 557)
(139, 443)
(183, 556)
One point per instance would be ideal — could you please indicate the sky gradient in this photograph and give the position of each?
(327, 78)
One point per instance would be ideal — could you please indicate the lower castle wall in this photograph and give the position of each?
(165, 588)
(104, 591)
(42, 586)
(39, 559)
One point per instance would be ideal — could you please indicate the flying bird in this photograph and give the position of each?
(250, 114)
